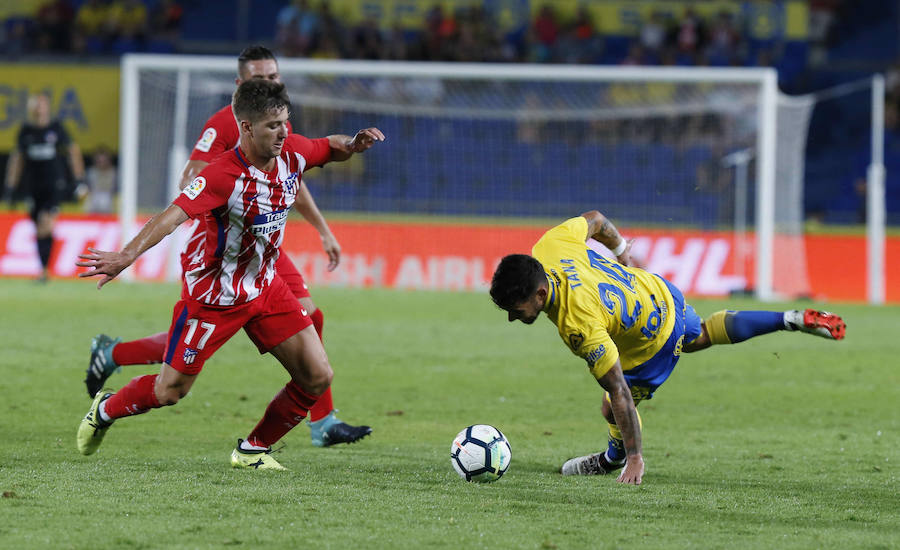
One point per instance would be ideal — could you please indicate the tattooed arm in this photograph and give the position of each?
(626, 418)
(603, 231)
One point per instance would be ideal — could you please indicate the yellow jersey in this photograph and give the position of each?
(604, 311)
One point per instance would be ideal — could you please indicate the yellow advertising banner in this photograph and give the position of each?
(19, 8)
(85, 98)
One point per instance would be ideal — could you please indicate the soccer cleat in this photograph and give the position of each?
(330, 431)
(256, 460)
(101, 365)
(590, 465)
(821, 323)
(92, 427)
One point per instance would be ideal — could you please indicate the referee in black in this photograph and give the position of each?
(38, 160)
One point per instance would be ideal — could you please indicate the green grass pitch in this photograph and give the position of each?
(788, 441)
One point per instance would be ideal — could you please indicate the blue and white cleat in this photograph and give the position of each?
(101, 365)
(330, 431)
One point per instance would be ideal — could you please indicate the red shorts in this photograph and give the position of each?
(198, 329)
(286, 269)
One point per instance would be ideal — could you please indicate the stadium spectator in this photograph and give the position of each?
(822, 14)
(16, 42)
(38, 158)
(688, 37)
(721, 49)
(653, 33)
(396, 48)
(212, 309)
(101, 182)
(632, 335)
(127, 22)
(297, 28)
(54, 26)
(92, 27)
(366, 41)
(165, 20)
(579, 42)
(544, 35)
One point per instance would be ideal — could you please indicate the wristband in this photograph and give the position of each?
(620, 248)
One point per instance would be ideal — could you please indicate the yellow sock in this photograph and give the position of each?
(715, 328)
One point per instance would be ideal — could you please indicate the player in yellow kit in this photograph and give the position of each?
(631, 326)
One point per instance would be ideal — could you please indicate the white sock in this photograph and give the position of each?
(792, 319)
(101, 410)
(248, 447)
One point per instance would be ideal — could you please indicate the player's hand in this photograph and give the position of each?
(108, 264)
(633, 472)
(626, 259)
(333, 249)
(81, 189)
(364, 139)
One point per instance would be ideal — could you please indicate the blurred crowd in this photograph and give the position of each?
(96, 27)
(309, 28)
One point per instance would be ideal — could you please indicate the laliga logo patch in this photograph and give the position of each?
(206, 140)
(193, 189)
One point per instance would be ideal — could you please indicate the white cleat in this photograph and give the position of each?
(821, 323)
(590, 465)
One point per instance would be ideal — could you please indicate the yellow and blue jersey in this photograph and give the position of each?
(605, 311)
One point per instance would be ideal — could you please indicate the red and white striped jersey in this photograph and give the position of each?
(220, 134)
(243, 211)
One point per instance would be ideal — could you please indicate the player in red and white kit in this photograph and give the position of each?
(219, 135)
(243, 197)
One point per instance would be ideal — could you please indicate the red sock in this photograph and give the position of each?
(324, 405)
(136, 397)
(141, 352)
(318, 320)
(287, 409)
(321, 407)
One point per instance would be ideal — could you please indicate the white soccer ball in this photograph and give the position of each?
(480, 453)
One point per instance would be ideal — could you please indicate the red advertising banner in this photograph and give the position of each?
(438, 256)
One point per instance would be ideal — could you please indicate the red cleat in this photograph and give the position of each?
(821, 323)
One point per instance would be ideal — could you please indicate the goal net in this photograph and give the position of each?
(690, 151)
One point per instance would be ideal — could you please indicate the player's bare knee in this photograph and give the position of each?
(321, 379)
(168, 396)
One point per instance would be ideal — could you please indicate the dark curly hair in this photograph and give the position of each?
(516, 279)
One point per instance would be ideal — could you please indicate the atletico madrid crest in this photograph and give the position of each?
(189, 355)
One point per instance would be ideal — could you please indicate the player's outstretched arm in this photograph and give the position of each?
(110, 264)
(627, 421)
(343, 147)
(603, 231)
(305, 204)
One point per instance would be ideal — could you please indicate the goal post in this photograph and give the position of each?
(597, 139)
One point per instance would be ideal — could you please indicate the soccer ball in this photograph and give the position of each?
(480, 453)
